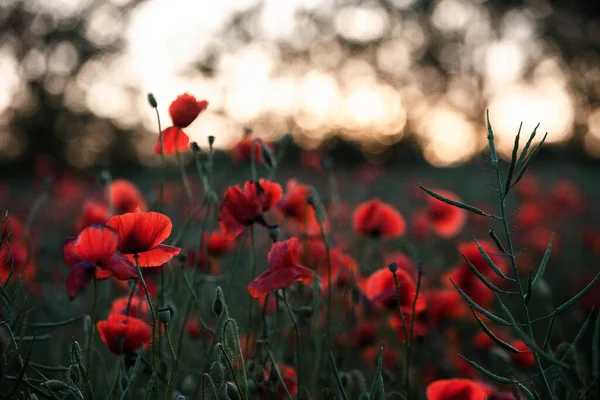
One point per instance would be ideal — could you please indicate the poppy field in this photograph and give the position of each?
(235, 275)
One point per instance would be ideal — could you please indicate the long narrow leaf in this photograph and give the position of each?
(489, 261)
(483, 279)
(579, 336)
(529, 158)
(579, 295)
(492, 376)
(544, 263)
(377, 386)
(491, 335)
(513, 161)
(133, 375)
(549, 331)
(527, 296)
(526, 148)
(336, 372)
(454, 203)
(493, 154)
(482, 310)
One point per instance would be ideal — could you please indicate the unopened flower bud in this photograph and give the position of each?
(195, 148)
(248, 131)
(232, 391)
(217, 373)
(104, 177)
(267, 155)
(274, 233)
(164, 315)
(211, 141)
(152, 100)
(217, 305)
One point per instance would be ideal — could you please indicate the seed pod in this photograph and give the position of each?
(164, 315)
(152, 100)
(393, 267)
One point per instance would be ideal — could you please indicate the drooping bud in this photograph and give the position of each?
(152, 100)
(195, 148)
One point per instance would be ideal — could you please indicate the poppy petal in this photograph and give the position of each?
(174, 140)
(121, 268)
(140, 231)
(155, 257)
(69, 256)
(278, 279)
(96, 243)
(79, 277)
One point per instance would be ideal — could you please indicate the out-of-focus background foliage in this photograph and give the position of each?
(74, 74)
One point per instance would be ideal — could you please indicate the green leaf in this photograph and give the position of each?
(336, 372)
(489, 261)
(526, 148)
(482, 310)
(527, 296)
(493, 154)
(579, 295)
(529, 159)
(497, 240)
(549, 331)
(454, 203)
(131, 380)
(579, 335)
(544, 263)
(491, 335)
(492, 376)
(377, 386)
(513, 161)
(483, 279)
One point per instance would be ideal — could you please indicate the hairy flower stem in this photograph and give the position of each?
(169, 391)
(515, 268)
(297, 331)
(152, 315)
(161, 187)
(90, 341)
(407, 335)
(251, 302)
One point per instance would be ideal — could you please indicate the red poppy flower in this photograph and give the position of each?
(195, 330)
(445, 304)
(141, 234)
(276, 390)
(529, 215)
(242, 208)
(241, 153)
(218, 244)
(371, 353)
(123, 334)
(457, 389)
(138, 308)
(524, 360)
(381, 288)
(15, 254)
(94, 251)
(94, 212)
(566, 196)
(174, 140)
(471, 251)
(312, 160)
(375, 218)
(445, 220)
(284, 269)
(185, 109)
(125, 197)
(483, 342)
(301, 217)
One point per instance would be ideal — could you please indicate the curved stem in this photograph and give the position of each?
(172, 376)
(152, 315)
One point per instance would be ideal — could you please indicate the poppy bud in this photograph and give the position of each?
(75, 353)
(217, 373)
(393, 267)
(248, 131)
(286, 139)
(420, 266)
(74, 373)
(232, 391)
(258, 374)
(217, 305)
(562, 349)
(105, 177)
(327, 163)
(274, 233)
(152, 100)
(211, 141)
(164, 315)
(195, 148)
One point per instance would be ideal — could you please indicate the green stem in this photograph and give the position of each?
(152, 315)
(88, 357)
(515, 269)
(410, 336)
(184, 177)
(406, 332)
(251, 303)
(297, 330)
(161, 188)
(169, 391)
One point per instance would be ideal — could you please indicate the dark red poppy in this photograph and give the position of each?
(276, 390)
(174, 140)
(529, 215)
(445, 220)
(469, 283)
(380, 288)
(137, 309)
(241, 153)
(195, 330)
(457, 389)
(123, 334)
(529, 187)
(444, 305)
(483, 342)
(185, 109)
(566, 197)
(395, 322)
(525, 359)
(218, 244)
(300, 216)
(141, 234)
(94, 251)
(344, 269)
(94, 212)
(375, 218)
(284, 269)
(371, 353)
(125, 197)
(15, 255)
(312, 160)
(242, 208)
